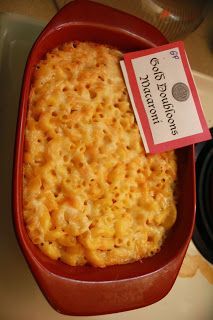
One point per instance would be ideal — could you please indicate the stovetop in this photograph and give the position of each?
(203, 232)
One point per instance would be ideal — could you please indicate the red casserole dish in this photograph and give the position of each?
(87, 290)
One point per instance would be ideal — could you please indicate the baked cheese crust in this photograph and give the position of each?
(90, 193)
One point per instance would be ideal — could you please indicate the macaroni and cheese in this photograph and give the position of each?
(90, 193)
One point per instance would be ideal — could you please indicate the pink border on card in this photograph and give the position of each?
(180, 142)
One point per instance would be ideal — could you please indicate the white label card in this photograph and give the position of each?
(164, 98)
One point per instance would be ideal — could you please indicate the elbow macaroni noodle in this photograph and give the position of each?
(90, 193)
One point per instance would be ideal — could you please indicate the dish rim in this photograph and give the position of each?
(17, 176)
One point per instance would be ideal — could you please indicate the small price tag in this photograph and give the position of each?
(164, 98)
